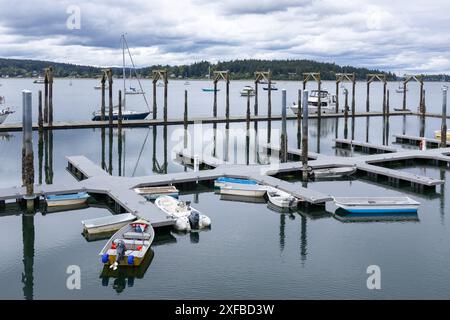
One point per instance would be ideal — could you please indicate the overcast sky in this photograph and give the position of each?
(397, 35)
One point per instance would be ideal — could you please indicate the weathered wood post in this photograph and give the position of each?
(45, 96)
(185, 122)
(228, 96)
(404, 94)
(305, 135)
(444, 118)
(215, 99)
(353, 93)
(110, 150)
(424, 107)
(319, 100)
(422, 99)
(166, 82)
(119, 119)
(256, 97)
(387, 103)
(299, 119)
(155, 109)
(50, 96)
(368, 95)
(103, 101)
(337, 95)
(384, 94)
(40, 119)
(346, 114)
(269, 106)
(283, 140)
(27, 150)
(247, 131)
(111, 107)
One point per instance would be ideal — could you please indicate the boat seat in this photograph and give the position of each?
(137, 235)
(133, 244)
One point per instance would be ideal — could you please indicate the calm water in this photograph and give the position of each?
(251, 251)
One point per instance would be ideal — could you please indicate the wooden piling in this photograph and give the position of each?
(387, 103)
(367, 96)
(256, 97)
(215, 100)
(27, 150)
(444, 118)
(337, 95)
(155, 109)
(228, 96)
(384, 94)
(404, 94)
(166, 82)
(50, 96)
(305, 136)
(353, 94)
(424, 107)
(269, 107)
(283, 139)
(319, 100)
(185, 120)
(119, 120)
(103, 101)
(111, 107)
(247, 131)
(299, 118)
(40, 119)
(45, 97)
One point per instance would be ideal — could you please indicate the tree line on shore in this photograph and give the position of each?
(239, 69)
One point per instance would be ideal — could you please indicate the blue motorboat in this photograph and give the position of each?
(220, 182)
(66, 199)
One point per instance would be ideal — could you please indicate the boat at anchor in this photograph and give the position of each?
(377, 204)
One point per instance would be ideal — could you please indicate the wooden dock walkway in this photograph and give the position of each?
(64, 125)
(363, 146)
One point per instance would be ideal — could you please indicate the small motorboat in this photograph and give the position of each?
(437, 133)
(332, 173)
(281, 198)
(245, 190)
(129, 245)
(247, 91)
(272, 88)
(327, 101)
(133, 90)
(347, 217)
(209, 89)
(4, 113)
(377, 205)
(220, 182)
(66, 199)
(126, 115)
(40, 79)
(400, 88)
(107, 224)
(187, 218)
(151, 193)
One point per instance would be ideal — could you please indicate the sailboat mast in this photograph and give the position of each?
(123, 69)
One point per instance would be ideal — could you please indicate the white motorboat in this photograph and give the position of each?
(4, 112)
(333, 173)
(107, 224)
(245, 190)
(377, 205)
(129, 245)
(220, 182)
(187, 218)
(66, 199)
(247, 91)
(133, 90)
(151, 193)
(327, 101)
(281, 198)
(40, 79)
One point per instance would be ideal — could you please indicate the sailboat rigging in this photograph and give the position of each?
(126, 114)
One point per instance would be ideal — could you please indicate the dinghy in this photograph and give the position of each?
(107, 224)
(332, 173)
(187, 218)
(245, 190)
(377, 205)
(220, 182)
(129, 245)
(151, 193)
(66, 199)
(281, 198)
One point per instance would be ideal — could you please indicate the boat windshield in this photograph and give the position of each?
(315, 93)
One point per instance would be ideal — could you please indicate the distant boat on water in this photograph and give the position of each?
(39, 80)
(5, 112)
(209, 89)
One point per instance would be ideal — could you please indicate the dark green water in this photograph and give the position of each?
(250, 252)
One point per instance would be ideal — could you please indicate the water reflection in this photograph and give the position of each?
(28, 256)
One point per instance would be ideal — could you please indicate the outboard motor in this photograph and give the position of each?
(194, 219)
(120, 251)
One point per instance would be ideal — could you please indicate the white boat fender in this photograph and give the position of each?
(205, 221)
(182, 224)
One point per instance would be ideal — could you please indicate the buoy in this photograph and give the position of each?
(423, 145)
(130, 260)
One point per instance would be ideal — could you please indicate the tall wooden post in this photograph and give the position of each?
(27, 150)
(346, 104)
(444, 118)
(228, 97)
(337, 96)
(424, 107)
(283, 140)
(404, 94)
(384, 95)
(155, 109)
(305, 135)
(40, 120)
(256, 97)
(387, 103)
(421, 104)
(353, 94)
(165, 96)
(119, 122)
(46, 97)
(50, 96)
(299, 118)
(111, 107)
(103, 106)
(247, 132)
(368, 95)
(215, 100)
(319, 100)
(185, 122)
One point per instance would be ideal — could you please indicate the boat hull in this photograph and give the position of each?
(3, 118)
(133, 116)
(379, 210)
(70, 202)
(107, 224)
(236, 189)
